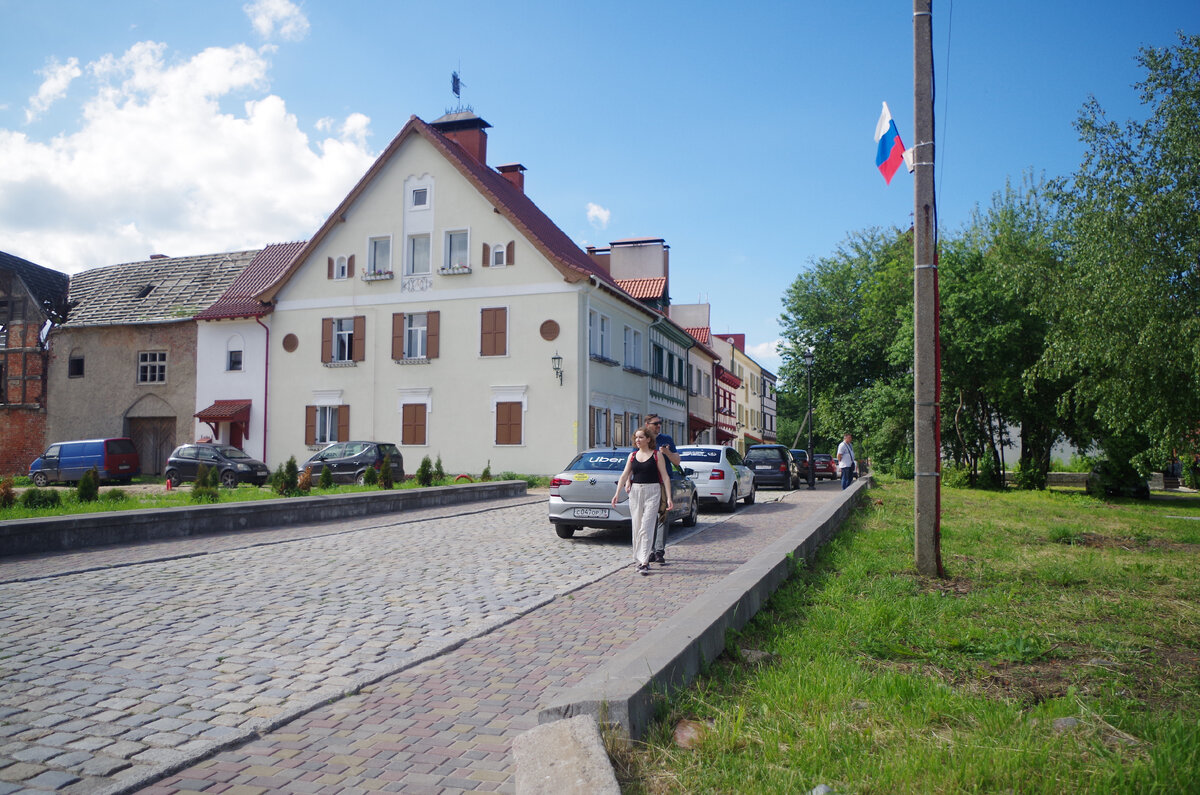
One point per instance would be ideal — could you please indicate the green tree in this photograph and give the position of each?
(1126, 303)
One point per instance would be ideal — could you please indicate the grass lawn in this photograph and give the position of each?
(1060, 655)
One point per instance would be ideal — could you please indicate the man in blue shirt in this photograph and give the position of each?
(666, 447)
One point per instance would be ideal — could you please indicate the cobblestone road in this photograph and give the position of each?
(119, 664)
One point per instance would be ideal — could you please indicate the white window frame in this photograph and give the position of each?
(499, 256)
(341, 268)
(343, 340)
(633, 348)
(152, 367)
(424, 193)
(599, 331)
(448, 252)
(416, 335)
(603, 432)
(327, 425)
(410, 258)
(373, 264)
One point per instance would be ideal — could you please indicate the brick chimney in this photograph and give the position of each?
(514, 173)
(467, 130)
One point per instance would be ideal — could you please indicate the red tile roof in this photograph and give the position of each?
(644, 288)
(238, 300)
(701, 334)
(225, 411)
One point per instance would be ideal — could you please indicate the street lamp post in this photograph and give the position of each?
(808, 360)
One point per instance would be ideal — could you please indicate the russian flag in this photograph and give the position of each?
(890, 152)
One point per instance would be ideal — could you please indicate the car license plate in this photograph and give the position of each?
(591, 513)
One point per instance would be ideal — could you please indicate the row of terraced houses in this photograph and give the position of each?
(438, 308)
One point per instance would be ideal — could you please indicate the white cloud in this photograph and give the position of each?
(58, 77)
(268, 16)
(766, 354)
(598, 216)
(157, 167)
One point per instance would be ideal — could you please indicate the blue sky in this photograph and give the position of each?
(741, 135)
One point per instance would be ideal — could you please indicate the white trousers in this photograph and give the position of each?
(643, 510)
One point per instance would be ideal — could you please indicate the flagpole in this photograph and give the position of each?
(926, 362)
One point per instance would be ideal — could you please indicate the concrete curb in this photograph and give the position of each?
(620, 694)
(64, 533)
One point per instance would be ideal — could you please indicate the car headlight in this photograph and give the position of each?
(243, 467)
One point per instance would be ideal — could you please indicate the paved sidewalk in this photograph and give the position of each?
(447, 724)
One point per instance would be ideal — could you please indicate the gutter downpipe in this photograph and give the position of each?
(266, 378)
(586, 362)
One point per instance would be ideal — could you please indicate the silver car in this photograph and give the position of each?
(581, 495)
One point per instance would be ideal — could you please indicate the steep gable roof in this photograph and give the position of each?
(512, 203)
(700, 334)
(44, 284)
(238, 300)
(163, 290)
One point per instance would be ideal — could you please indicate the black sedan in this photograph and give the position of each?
(235, 466)
(348, 462)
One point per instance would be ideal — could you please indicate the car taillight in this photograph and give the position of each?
(555, 483)
(783, 468)
(717, 474)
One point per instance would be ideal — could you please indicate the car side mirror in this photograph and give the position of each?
(688, 472)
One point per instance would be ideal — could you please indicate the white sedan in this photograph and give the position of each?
(719, 474)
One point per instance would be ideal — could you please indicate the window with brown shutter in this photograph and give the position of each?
(487, 255)
(413, 424)
(432, 324)
(360, 338)
(330, 275)
(350, 267)
(310, 425)
(510, 253)
(508, 423)
(398, 335)
(327, 339)
(343, 423)
(493, 332)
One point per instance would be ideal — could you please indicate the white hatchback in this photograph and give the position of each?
(719, 474)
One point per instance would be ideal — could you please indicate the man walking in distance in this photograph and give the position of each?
(666, 446)
(845, 456)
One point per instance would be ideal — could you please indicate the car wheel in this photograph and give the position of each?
(173, 478)
(749, 497)
(361, 480)
(40, 480)
(690, 519)
(731, 503)
(565, 530)
(229, 479)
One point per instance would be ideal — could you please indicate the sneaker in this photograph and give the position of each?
(660, 557)
(644, 569)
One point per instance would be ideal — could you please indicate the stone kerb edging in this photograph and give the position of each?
(63, 533)
(620, 692)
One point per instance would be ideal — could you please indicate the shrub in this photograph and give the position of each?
(88, 488)
(425, 472)
(956, 476)
(8, 495)
(439, 474)
(41, 498)
(326, 479)
(903, 466)
(989, 476)
(385, 473)
(201, 477)
(114, 495)
(487, 472)
(286, 479)
(202, 492)
(1033, 479)
(304, 481)
(371, 476)
(214, 478)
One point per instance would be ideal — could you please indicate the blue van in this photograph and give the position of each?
(114, 459)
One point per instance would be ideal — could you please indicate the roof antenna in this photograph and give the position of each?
(456, 87)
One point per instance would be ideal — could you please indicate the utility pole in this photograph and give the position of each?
(926, 365)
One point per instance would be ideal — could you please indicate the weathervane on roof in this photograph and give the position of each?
(456, 86)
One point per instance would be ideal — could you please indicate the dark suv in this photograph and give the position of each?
(801, 459)
(772, 465)
(348, 462)
(235, 466)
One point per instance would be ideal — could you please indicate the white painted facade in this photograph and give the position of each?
(217, 378)
(463, 391)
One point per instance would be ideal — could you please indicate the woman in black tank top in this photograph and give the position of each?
(643, 477)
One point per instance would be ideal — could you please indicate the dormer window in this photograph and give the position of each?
(145, 291)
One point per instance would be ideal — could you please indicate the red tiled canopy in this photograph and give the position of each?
(225, 411)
